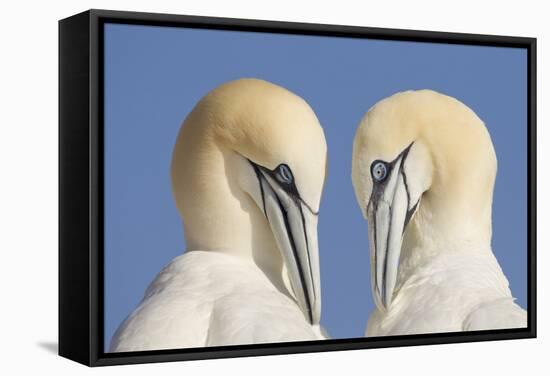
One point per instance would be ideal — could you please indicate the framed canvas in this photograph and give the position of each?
(238, 187)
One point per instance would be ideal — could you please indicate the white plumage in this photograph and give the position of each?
(211, 299)
(462, 292)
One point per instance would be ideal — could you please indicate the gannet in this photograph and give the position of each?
(423, 169)
(248, 169)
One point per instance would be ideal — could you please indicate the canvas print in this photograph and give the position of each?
(271, 188)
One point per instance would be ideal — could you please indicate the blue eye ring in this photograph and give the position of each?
(284, 174)
(379, 171)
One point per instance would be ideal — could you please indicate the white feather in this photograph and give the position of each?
(451, 293)
(211, 299)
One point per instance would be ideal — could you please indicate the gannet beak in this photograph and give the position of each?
(294, 226)
(388, 211)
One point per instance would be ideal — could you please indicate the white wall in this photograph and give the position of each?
(28, 184)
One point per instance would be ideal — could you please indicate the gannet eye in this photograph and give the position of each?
(379, 171)
(283, 174)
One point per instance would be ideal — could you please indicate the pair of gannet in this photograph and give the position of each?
(424, 169)
(248, 170)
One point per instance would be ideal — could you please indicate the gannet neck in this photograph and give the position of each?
(217, 215)
(432, 234)
(450, 224)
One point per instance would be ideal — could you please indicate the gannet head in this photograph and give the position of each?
(258, 145)
(423, 170)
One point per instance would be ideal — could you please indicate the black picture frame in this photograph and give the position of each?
(81, 182)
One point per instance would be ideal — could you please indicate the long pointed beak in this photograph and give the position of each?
(294, 226)
(388, 215)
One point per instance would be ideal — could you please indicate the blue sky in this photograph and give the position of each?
(155, 75)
